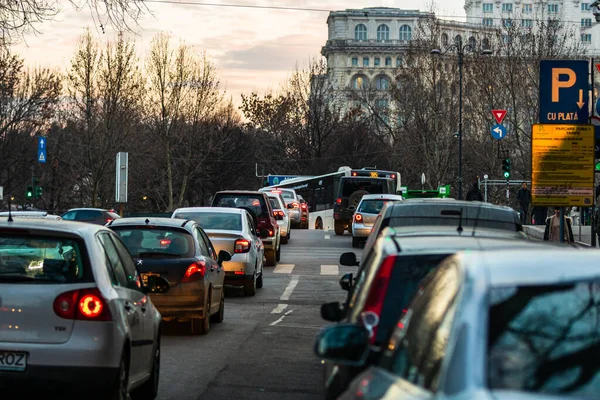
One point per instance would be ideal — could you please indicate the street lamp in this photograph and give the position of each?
(460, 51)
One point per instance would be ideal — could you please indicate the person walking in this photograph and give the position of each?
(474, 193)
(552, 231)
(524, 198)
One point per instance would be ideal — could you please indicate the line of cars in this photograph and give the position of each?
(82, 305)
(451, 300)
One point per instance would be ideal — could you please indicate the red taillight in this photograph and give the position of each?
(108, 220)
(354, 174)
(378, 291)
(275, 191)
(84, 304)
(339, 200)
(194, 272)
(296, 205)
(165, 242)
(358, 218)
(303, 206)
(238, 273)
(271, 232)
(393, 176)
(276, 213)
(241, 246)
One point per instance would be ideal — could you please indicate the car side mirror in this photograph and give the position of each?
(264, 233)
(346, 344)
(333, 312)
(351, 208)
(223, 256)
(349, 259)
(346, 282)
(156, 284)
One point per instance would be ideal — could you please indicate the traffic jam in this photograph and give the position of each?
(447, 299)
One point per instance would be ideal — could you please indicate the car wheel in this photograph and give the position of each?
(120, 388)
(339, 228)
(270, 256)
(318, 224)
(259, 281)
(250, 286)
(284, 239)
(220, 316)
(355, 242)
(278, 255)
(201, 326)
(149, 390)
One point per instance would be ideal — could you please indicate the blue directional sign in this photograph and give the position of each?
(277, 179)
(41, 153)
(498, 131)
(564, 86)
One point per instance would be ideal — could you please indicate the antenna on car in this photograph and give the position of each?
(460, 228)
(10, 218)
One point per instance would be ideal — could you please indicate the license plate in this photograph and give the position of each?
(146, 275)
(13, 361)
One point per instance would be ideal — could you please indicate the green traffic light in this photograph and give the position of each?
(506, 175)
(598, 167)
(29, 193)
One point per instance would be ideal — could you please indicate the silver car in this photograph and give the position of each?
(366, 213)
(292, 202)
(74, 313)
(30, 214)
(281, 215)
(232, 230)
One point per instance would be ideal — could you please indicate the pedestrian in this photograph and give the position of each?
(539, 215)
(596, 220)
(524, 198)
(474, 194)
(552, 231)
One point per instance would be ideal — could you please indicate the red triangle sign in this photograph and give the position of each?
(598, 67)
(499, 115)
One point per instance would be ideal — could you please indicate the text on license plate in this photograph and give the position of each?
(13, 361)
(146, 275)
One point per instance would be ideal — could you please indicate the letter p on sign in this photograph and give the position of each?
(557, 84)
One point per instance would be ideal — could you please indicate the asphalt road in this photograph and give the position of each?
(263, 349)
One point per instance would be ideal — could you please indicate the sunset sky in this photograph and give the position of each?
(254, 49)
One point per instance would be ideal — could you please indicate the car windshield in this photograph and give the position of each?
(545, 339)
(372, 206)
(252, 202)
(144, 241)
(214, 220)
(42, 260)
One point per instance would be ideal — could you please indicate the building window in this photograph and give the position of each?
(405, 33)
(360, 32)
(506, 39)
(359, 82)
(488, 21)
(382, 83)
(398, 62)
(586, 38)
(377, 62)
(527, 8)
(383, 33)
(507, 23)
(458, 39)
(585, 6)
(472, 42)
(485, 43)
(388, 61)
(355, 61)
(365, 61)
(527, 23)
(507, 7)
(444, 39)
(488, 7)
(586, 22)
(553, 8)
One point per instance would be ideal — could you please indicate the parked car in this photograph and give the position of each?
(30, 214)
(257, 203)
(82, 321)
(366, 213)
(232, 230)
(97, 216)
(391, 275)
(280, 212)
(179, 251)
(487, 325)
(292, 202)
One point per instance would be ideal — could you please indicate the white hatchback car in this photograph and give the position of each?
(366, 213)
(74, 314)
(281, 215)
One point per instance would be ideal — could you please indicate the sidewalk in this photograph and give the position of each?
(582, 234)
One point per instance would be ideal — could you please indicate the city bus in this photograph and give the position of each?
(320, 192)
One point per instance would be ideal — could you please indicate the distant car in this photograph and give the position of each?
(281, 215)
(259, 206)
(486, 325)
(303, 213)
(75, 316)
(30, 214)
(97, 216)
(232, 230)
(179, 251)
(292, 199)
(366, 213)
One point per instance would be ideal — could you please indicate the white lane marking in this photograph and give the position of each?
(330, 270)
(279, 309)
(281, 318)
(286, 295)
(284, 269)
(327, 236)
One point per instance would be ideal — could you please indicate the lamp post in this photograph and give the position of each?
(460, 51)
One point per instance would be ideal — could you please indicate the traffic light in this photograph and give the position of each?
(506, 167)
(29, 193)
(38, 192)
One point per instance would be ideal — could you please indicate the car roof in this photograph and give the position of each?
(18, 213)
(150, 221)
(87, 208)
(62, 226)
(445, 230)
(227, 210)
(452, 244)
(538, 266)
(381, 196)
(239, 192)
(270, 189)
(470, 210)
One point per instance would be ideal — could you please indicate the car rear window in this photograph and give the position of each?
(43, 259)
(214, 220)
(372, 206)
(396, 222)
(253, 202)
(545, 339)
(287, 195)
(156, 242)
(274, 204)
(373, 186)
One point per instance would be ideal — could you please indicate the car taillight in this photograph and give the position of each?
(339, 200)
(276, 213)
(378, 291)
(393, 176)
(271, 232)
(108, 220)
(241, 246)
(165, 242)
(296, 205)
(358, 218)
(303, 206)
(194, 272)
(83, 304)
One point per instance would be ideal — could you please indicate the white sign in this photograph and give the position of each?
(121, 177)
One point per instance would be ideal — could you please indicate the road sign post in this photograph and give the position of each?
(41, 153)
(121, 177)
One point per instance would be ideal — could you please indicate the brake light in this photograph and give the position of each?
(358, 218)
(256, 203)
(296, 205)
(393, 176)
(165, 242)
(83, 304)
(354, 174)
(339, 200)
(241, 246)
(108, 220)
(276, 213)
(275, 191)
(194, 272)
(303, 206)
(376, 297)
(271, 232)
